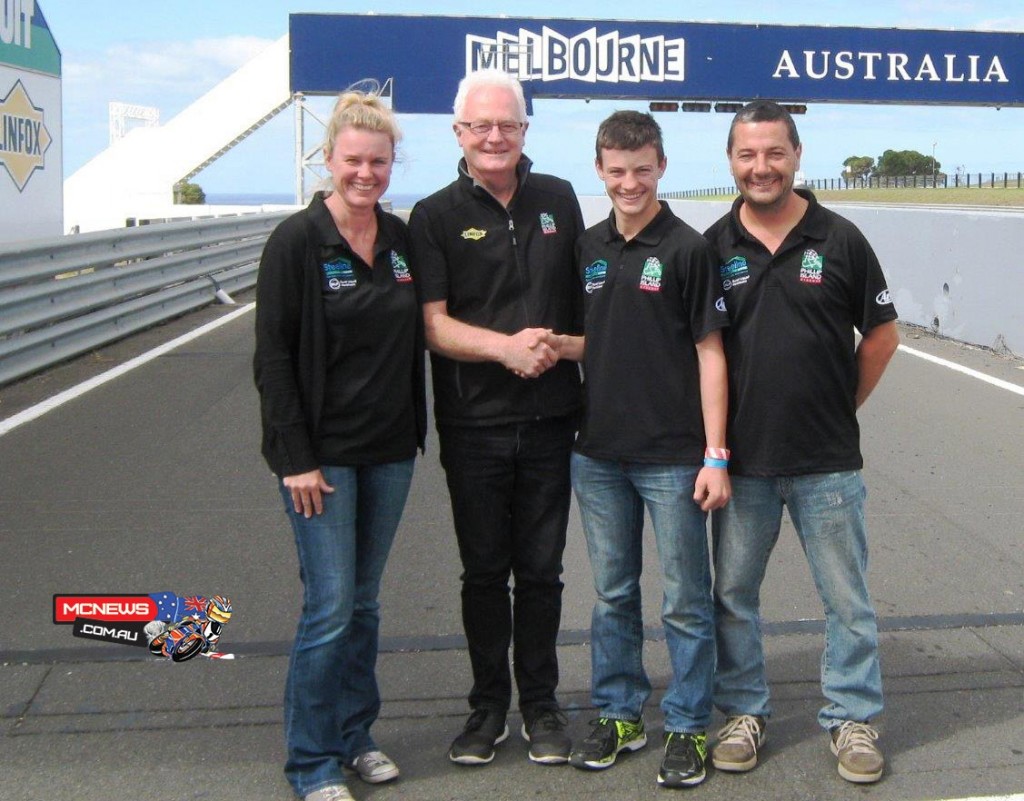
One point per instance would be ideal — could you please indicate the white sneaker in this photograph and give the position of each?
(332, 792)
(374, 767)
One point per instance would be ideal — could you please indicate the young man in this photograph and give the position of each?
(798, 280)
(493, 260)
(653, 435)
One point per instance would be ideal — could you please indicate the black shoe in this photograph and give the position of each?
(544, 730)
(606, 740)
(683, 763)
(484, 730)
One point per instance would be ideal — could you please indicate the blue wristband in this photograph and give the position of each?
(723, 463)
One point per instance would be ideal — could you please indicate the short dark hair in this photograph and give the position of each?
(764, 111)
(629, 130)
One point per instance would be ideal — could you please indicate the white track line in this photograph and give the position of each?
(70, 394)
(996, 382)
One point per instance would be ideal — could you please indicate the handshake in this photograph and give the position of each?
(533, 351)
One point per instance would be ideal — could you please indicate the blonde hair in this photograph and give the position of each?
(360, 106)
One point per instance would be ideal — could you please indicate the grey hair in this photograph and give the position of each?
(489, 77)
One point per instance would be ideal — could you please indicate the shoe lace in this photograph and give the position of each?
(857, 737)
(603, 729)
(677, 744)
(741, 729)
(549, 720)
(476, 720)
(335, 793)
(372, 760)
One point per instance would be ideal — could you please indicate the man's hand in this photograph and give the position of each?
(712, 489)
(528, 353)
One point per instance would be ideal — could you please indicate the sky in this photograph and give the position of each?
(167, 54)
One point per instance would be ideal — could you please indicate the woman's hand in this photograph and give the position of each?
(307, 491)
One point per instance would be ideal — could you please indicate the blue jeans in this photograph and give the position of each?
(509, 488)
(611, 498)
(331, 696)
(828, 513)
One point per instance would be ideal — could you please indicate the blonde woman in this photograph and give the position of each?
(339, 369)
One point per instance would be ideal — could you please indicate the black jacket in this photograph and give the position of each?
(289, 364)
(504, 270)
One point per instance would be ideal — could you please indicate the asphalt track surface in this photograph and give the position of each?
(152, 481)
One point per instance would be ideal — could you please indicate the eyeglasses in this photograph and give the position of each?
(481, 127)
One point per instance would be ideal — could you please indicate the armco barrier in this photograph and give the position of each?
(62, 297)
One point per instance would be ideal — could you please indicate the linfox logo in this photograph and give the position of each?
(588, 57)
(107, 608)
(24, 138)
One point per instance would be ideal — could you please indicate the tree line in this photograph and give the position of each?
(891, 163)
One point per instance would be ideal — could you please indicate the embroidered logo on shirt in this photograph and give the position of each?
(338, 274)
(811, 267)
(547, 223)
(883, 298)
(650, 278)
(400, 269)
(594, 275)
(734, 272)
(474, 234)
(720, 304)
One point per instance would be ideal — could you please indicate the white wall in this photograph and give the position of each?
(953, 271)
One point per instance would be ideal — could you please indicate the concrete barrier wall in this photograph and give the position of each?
(953, 271)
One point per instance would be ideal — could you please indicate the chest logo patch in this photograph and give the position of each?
(734, 273)
(811, 267)
(337, 275)
(650, 278)
(473, 233)
(594, 275)
(547, 223)
(400, 269)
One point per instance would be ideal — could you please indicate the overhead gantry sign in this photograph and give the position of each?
(425, 57)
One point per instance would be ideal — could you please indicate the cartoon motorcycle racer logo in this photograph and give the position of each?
(192, 635)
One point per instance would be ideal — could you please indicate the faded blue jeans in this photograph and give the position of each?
(331, 696)
(611, 498)
(827, 510)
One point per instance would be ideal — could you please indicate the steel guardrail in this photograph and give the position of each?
(62, 297)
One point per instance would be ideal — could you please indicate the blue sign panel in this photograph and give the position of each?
(426, 56)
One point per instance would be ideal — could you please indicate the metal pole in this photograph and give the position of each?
(299, 102)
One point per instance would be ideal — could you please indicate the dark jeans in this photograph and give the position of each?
(509, 487)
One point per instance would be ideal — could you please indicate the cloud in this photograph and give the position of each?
(165, 74)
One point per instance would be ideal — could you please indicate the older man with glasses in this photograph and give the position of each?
(493, 262)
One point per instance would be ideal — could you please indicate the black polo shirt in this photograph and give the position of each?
(504, 269)
(790, 345)
(646, 302)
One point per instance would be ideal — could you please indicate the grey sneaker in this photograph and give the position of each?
(332, 792)
(860, 760)
(739, 741)
(374, 767)
(484, 730)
